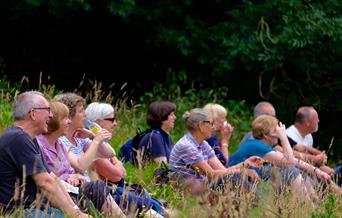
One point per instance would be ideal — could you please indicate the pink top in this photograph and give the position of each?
(56, 159)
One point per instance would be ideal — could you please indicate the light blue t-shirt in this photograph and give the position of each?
(77, 149)
(252, 147)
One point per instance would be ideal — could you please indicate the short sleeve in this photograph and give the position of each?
(28, 157)
(190, 155)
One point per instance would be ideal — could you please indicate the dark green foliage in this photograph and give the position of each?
(287, 52)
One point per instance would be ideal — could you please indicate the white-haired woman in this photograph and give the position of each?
(110, 169)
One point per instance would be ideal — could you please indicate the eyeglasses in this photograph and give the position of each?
(43, 108)
(110, 119)
(207, 121)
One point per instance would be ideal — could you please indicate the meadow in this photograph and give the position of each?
(232, 203)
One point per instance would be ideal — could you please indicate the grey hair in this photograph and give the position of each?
(97, 110)
(259, 109)
(193, 117)
(24, 102)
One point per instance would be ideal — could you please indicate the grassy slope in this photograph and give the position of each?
(232, 203)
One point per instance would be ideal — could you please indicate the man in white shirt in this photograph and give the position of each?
(306, 122)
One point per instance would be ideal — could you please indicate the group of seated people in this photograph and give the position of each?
(49, 151)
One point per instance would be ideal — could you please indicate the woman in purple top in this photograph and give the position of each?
(82, 152)
(58, 162)
(53, 150)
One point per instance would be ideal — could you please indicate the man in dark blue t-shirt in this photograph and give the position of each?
(20, 159)
(23, 171)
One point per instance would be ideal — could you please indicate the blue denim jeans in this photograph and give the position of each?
(338, 175)
(49, 213)
(141, 202)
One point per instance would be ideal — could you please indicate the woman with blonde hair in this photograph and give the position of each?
(267, 131)
(222, 133)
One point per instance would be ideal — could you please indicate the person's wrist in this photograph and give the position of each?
(225, 145)
(315, 170)
(77, 211)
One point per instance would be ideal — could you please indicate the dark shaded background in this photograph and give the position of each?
(68, 43)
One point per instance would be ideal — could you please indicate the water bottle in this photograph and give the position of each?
(92, 126)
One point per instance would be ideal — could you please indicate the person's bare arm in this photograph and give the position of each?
(306, 149)
(82, 163)
(220, 171)
(225, 135)
(278, 159)
(315, 159)
(113, 170)
(56, 194)
(309, 168)
(287, 150)
(204, 168)
(215, 164)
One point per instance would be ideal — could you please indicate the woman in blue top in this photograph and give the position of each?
(157, 144)
(267, 131)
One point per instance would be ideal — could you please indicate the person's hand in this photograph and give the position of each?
(75, 179)
(102, 136)
(281, 130)
(84, 215)
(83, 133)
(252, 175)
(321, 158)
(322, 175)
(330, 171)
(253, 161)
(226, 132)
(80, 214)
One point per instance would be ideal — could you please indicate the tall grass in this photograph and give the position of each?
(132, 115)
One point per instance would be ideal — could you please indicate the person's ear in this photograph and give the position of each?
(32, 114)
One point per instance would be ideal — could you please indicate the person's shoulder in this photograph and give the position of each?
(206, 144)
(63, 140)
(41, 139)
(14, 134)
(13, 131)
(182, 142)
(290, 128)
(153, 134)
(254, 143)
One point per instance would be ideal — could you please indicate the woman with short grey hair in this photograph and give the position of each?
(194, 160)
(98, 111)
(109, 169)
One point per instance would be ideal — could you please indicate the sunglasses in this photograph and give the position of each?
(207, 121)
(110, 119)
